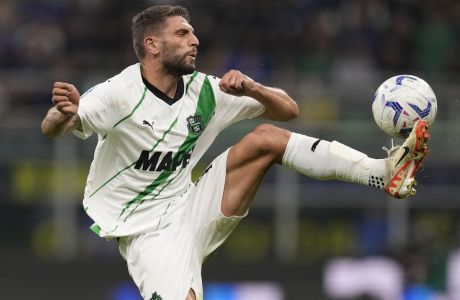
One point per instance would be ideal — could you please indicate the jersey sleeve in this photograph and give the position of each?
(99, 110)
(233, 108)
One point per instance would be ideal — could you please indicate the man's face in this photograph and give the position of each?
(178, 46)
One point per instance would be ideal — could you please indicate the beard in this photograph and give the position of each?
(177, 65)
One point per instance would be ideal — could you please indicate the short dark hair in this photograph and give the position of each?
(151, 20)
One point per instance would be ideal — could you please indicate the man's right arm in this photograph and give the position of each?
(62, 117)
(56, 123)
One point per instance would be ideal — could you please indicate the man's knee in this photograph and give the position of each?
(269, 139)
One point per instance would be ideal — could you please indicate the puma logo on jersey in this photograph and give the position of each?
(160, 161)
(147, 123)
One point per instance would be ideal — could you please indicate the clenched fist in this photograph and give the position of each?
(66, 98)
(236, 83)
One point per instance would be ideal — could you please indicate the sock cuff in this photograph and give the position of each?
(296, 141)
(289, 152)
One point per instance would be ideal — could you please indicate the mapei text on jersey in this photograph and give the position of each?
(169, 161)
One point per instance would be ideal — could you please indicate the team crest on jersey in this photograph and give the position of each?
(195, 124)
(155, 296)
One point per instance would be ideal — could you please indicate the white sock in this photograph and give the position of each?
(321, 159)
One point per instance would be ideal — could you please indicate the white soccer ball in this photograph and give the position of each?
(402, 100)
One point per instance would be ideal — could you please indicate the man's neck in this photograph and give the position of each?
(158, 77)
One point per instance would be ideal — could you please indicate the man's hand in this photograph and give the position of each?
(236, 83)
(62, 117)
(278, 105)
(66, 98)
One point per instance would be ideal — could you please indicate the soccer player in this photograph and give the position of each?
(155, 120)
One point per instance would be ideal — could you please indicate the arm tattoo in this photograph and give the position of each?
(56, 123)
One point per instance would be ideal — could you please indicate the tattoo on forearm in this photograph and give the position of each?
(58, 123)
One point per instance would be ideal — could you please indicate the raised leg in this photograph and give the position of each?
(249, 160)
(247, 163)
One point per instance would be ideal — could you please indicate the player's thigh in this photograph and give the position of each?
(248, 162)
(204, 214)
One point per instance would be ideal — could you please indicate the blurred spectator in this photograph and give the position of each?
(4, 100)
(8, 18)
(397, 42)
(318, 43)
(344, 43)
(435, 37)
(38, 43)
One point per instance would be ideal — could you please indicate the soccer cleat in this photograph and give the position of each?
(403, 161)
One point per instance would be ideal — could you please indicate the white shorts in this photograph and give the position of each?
(165, 264)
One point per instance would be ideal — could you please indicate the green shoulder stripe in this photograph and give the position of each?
(134, 109)
(190, 81)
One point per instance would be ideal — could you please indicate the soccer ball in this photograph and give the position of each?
(402, 100)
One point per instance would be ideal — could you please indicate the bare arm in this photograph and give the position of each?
(62, 117)
(56, 123)
(278, 105)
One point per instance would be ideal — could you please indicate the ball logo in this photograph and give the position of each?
(402, 77)
(421, 112)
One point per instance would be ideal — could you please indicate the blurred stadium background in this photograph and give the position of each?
(303, 239)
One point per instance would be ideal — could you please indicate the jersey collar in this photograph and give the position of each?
(170, 101)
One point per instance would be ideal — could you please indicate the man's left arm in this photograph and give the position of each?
(278, 105)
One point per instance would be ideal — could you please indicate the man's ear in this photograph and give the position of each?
(152, 45)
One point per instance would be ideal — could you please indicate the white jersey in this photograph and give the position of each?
(146, 149)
